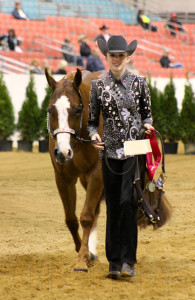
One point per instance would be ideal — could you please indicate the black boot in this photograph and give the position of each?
(114, 270)
(127, 270)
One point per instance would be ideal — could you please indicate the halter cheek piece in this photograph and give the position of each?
(75, 134)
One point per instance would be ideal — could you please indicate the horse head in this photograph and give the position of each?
(64, 114)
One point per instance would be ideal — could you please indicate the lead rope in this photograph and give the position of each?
(114, 172)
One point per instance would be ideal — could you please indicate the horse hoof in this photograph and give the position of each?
(81, 267)
(80, 270)
(93, 257)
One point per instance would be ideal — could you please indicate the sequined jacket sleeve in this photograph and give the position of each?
(145, 103)
(94, 110)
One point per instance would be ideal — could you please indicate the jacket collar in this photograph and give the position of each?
(111, 79)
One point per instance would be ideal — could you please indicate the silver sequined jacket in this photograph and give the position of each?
(125, 107)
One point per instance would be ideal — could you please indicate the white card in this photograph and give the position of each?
(137, 147)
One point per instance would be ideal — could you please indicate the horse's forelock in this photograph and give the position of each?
(66, 82)
(68, 85)
(64, 87)
(71, 91)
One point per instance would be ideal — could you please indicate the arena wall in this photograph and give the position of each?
(160, 6)
(175, 6)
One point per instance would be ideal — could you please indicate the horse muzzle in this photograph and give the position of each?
(63, 158)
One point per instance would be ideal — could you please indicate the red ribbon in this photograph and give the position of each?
(152, 166)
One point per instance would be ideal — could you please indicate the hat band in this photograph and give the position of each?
(113, 51)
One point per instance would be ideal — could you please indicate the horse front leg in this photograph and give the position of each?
(67, 191)
(88, 220)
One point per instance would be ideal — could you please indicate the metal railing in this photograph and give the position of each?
(147, 5)
(183, 17)
(86, 11)
(150, 7)
(57, 49)
(12, 66)
(153, 9)
(151, 51)
(182, 34)
(155, 47)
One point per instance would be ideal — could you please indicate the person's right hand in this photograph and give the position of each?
(99, 144)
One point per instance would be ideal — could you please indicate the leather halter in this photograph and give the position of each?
(75, 134)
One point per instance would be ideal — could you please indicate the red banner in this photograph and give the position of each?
(152, 166)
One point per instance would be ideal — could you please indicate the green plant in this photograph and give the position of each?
(29, 115)
(170, 114)
(44, 106)
(156, 95)
(6, 111)
(187, 115)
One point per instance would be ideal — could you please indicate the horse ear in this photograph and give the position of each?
(78, 78)
(51, 81)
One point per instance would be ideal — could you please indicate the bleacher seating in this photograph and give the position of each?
(108, 9)
(145, 60)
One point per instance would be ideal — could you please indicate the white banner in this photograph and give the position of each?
(137, 147)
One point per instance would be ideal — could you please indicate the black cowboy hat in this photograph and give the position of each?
(67, 40)
(116, 43)
(103, 27)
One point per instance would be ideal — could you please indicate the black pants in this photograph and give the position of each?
(121, 227)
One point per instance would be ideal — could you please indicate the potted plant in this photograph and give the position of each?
(170, 119)
(156, 96)
(187, 119)
(6, 117)
(29, 119)
(44, 142)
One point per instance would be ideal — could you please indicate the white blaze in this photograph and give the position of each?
(63, 139)
(93, 241)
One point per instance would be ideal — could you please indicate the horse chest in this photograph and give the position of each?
(84, 160)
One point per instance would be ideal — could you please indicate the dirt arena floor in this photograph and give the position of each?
(37, 253)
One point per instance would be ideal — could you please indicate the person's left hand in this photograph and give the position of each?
(148, 128)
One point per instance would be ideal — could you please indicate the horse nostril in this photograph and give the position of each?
(59, 156)
(69, 155)
(62, 157)
(55, 153)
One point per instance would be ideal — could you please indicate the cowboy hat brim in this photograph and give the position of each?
(131, 47)
(103, 27)
(104, 48)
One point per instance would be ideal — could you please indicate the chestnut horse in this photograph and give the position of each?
(73, 156)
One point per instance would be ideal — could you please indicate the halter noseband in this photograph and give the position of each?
(53, 133)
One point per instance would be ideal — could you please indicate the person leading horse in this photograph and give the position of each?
(124, 100)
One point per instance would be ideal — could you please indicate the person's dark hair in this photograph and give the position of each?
(12, 31)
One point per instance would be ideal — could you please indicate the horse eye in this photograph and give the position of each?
(75, 110)
(50, 110)
(79, 109)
